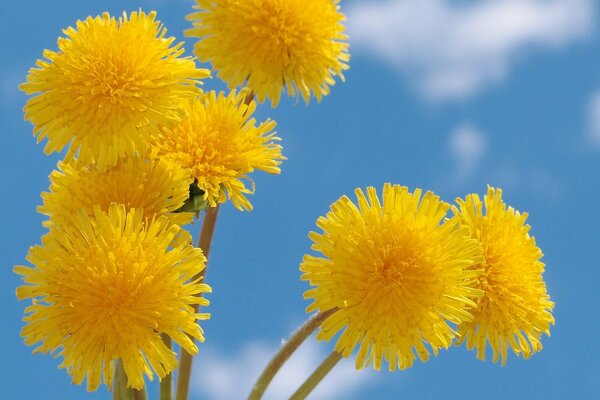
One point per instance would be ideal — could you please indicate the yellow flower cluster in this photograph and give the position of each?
(116, 270)
(403, 280)
(145, 147)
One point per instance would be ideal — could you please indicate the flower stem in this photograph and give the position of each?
(120, 391)
(185, 359)
(317, 376)
(166, 383)
(208, 229)
(204, 242)
(285, 352)
(139, 394)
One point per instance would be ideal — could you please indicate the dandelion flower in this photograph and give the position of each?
(394, 273)
(107, 85)
(221, 144)
(153, 187)
(515, 309)
(105, 288)
(273, 44)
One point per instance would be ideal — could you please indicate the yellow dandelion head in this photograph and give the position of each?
(106, 288)
(153, 187)
(395, 276)
(108, 84)
(515, 309)
(221, 143)
(273, 44)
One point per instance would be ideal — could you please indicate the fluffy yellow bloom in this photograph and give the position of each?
(221, 144)
(154, 187)
(105, 288)
(515, 309)
(107, 85)
(394, 273)
(273, 44)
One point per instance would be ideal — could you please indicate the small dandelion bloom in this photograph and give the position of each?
(221, 144)
(155, 188)
(394, 273)
(109, 81)
(515, 309)
(105, 288)
(269, 45)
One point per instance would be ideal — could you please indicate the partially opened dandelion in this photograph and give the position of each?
(105, 288)
(221, 144)
(515, 310)
(156, 188)
(107, 85)
(396, 274)
(272, 45)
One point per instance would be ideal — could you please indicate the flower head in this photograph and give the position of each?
(107, 85)
(394, 275)
(515, 309)
(221, 144)
(273, 44)
(153, 187)
(105, 288)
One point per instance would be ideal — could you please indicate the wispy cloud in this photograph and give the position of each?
(231, 376)
(593, 120)
(530, 179)
(470, 152)
(9, 85)
(455, 49)
(467, 146)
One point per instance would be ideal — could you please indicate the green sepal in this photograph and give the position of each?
(196, 202)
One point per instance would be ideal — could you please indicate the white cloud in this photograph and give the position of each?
(593, 120)
(231, 377)
(455, 49)
(529, 179)
(469, 149)
(467, 146)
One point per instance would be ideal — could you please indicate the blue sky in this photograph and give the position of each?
(444, 95)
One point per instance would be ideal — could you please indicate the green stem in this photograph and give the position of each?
(120, 390)
(285, 352)
(185, 359)
(183, 378)
(166, 384)
(317, 376)
(139, 394)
